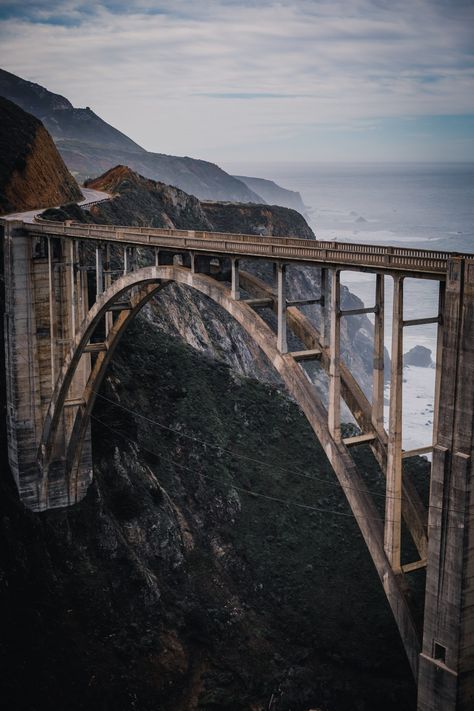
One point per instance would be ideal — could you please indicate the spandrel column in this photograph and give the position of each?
(393, 495)
(334, 407)
(282, 342)
(378, 363)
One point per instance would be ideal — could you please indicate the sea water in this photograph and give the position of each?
(427, 206)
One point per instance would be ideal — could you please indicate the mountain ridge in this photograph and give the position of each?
(32, 173)
(89, 146)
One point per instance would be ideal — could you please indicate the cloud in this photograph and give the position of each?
(219, 75)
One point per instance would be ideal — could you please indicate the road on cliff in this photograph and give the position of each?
(90, 196)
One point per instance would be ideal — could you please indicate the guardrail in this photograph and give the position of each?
(427, 262)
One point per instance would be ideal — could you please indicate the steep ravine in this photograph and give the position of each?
(167, 587)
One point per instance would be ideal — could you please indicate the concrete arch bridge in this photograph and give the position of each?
(71, 290)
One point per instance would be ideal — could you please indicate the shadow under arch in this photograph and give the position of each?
(142, 285)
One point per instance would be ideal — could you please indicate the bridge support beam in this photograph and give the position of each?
(334, 408)
(446, 676)
(235, 285)
(378, 380)
(393, 495)
(99, 271)
(324, 306)
(282, 342)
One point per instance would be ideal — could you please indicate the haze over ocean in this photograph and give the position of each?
(428, 205)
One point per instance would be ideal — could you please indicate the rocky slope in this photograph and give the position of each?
(32, 173)
(257, 219)
(274, 194)
(90, 146)
(189, 578)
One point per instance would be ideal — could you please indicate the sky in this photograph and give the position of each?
(235, 80)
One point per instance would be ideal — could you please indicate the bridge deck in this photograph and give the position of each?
(419, 263)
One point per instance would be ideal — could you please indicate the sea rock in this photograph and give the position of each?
(419, 356)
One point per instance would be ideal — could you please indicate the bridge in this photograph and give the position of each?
(72, 289)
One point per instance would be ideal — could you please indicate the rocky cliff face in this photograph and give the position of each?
(140, 201)
(32, 173)
(274, 194)
(191, 577)
(257, 219)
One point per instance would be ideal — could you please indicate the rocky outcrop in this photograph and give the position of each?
(90, 146)
(141, 201)
(257, 219)
(273, 193)
(32, 173)
(419, 356)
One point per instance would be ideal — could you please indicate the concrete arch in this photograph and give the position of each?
(143, 284)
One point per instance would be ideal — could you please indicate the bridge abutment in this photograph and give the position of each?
(44, 302)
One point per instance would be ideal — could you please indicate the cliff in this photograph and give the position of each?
(141, 201)
(273, 193)
(257, 219)
(32, 173)
(90, 146)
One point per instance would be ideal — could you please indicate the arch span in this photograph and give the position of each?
(141, 285)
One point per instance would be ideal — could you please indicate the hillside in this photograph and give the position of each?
(32, 173)
(172, 587)
(257, 219)
(90, 146)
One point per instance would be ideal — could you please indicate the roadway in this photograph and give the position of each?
(90, 196)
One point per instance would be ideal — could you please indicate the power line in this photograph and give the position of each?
(244, 457)
(251, 492)
(288, 502)
(296, 472)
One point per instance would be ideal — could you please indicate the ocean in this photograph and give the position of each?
(429, 206)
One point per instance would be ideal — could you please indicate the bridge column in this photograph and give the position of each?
(378, 367)
(439, 359)
(99, 271)
(393, 492)
(72, 286)
(282, 342)
(108, 282)
(446, 676)
(235, 286)
(52, 312)
(324, 303)
(334, 408)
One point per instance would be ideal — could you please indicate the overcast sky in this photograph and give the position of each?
(235, 80)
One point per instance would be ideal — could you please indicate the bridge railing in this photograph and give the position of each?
(291, 248)
(292, 241)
